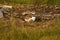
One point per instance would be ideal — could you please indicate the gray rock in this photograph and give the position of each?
(1, 14)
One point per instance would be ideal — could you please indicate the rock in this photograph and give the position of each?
(6, 6)
(1, 14)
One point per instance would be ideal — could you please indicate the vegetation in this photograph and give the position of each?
(29, 31)
(15, 29)
(32, 1)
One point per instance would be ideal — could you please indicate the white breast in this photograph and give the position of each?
(30, 19)
(33, 18)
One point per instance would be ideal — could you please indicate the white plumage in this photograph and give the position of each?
(30, 19)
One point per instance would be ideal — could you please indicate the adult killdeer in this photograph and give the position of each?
(28, 16)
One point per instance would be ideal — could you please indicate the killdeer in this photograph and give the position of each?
(28, 16)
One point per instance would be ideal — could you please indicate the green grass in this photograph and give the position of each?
(49, 2)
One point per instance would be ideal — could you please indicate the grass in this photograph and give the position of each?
(28, 32)
(17, 30)
(49, 2)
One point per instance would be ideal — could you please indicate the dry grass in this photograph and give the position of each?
(15, 29)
